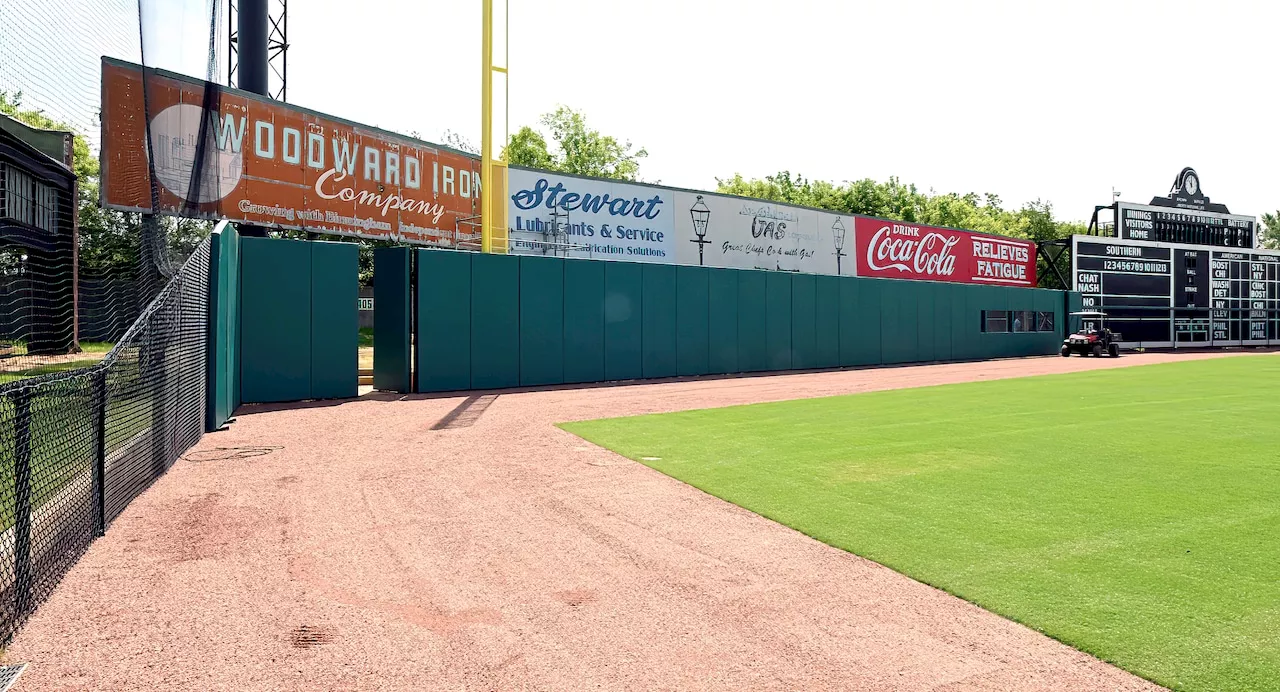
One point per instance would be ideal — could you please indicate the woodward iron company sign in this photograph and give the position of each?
(269, 163)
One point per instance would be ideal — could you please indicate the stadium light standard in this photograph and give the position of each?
(837, 233)
(700, 215)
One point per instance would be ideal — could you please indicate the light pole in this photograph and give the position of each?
(837, 234)
(559, 227)
(700, 215)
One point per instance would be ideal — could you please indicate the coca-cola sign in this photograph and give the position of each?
(897, 250)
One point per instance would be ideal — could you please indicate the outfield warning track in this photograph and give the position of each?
(365, 550)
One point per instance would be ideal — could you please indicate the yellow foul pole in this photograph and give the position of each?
(493, 172)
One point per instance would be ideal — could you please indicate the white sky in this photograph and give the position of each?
(1026, 99)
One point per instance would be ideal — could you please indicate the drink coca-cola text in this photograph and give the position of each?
(899, 250)
(903, 248)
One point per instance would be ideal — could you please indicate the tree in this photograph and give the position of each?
(578, 148)
(528, 147)
(1270, 236)
(901, 201)
(457, 141)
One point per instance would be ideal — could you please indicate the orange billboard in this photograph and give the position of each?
(276, 165)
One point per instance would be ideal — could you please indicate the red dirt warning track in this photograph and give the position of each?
(369, 552)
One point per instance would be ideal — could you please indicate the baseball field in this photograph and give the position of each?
(1132, 513)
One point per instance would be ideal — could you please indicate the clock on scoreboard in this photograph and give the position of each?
(1186, 216)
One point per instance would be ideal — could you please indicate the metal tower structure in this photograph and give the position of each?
(277, 44)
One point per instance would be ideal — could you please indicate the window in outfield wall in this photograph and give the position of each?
(995, 321)
(1015, 321)
(1022, 321)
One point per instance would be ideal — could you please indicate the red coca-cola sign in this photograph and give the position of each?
(899, 250)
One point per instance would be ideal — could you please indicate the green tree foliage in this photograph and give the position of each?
(577, 148)
(900, 201)
(1270, 236)
(528, 147)
(455, 140)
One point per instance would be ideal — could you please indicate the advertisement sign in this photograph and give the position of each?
(899, 250)
(722, 231)
(273, 164)
(567, 216)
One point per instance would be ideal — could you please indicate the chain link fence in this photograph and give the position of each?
(77, 447)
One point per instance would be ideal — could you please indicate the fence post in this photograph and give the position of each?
(100, 451)
(157, 352)
(22, 499)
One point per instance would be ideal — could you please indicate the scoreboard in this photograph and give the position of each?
(1192, 226)
(1161, 294)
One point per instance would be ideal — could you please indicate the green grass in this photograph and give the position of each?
(7, 377)
(96, 346)
(365, 340)
(1132, 513)
(62, 440)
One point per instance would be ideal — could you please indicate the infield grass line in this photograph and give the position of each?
(1133, 513)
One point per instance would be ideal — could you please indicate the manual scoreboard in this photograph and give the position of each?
(1169, 294)
(1181, 270)
(1164, 225)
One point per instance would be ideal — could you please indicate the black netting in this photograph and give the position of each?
(77, 447)
(103, 313)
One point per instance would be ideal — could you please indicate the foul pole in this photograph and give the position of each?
(493, 172)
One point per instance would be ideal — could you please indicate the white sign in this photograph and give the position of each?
(722, 231)
(565, 216)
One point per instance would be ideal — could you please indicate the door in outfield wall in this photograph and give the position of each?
(299, 324)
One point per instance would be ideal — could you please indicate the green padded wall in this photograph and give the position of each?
(658, 318)
(443, 355)
(583, 321)
(223, 392)
(495, 321)
(541, 320)
(777, 315)
(864, 338)
(722, 321)
(963, 328)
(826, 352)
(804, 328)
(942, 322)
(850, 334)
(975, 303)
(693, 303)
(335, 326)
(391, 323)
(925, 326)
(622, 321)
(753, 351)
(899, 328)
(275, 315)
